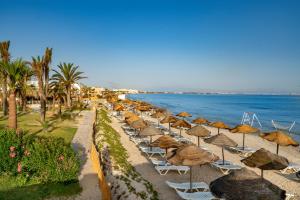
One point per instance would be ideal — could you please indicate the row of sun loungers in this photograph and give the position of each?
(201, 189)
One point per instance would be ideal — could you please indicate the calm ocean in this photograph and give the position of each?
(230, 108)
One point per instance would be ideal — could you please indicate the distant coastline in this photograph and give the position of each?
(222, 93)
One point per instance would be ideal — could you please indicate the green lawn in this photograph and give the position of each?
(13, 188)
(64, 128)
(17, 187)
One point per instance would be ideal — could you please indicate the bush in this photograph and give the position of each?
(41, 159)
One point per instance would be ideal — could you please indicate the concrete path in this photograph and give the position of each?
(81, 143)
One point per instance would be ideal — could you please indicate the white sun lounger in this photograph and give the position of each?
(198, 186)
(225, 169)
(156, 162)
(246, 152)
(183, 140)
(154, 151)
(196, 195)
(292, 168)
(138, 141)
(220, 162)
(163, 170)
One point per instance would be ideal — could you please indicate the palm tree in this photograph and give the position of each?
(15, 72)
(5, 56)
(67, 76)
(41, 69)
(56, 89)
(24, 87)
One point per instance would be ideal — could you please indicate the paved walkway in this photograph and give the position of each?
(81, 143)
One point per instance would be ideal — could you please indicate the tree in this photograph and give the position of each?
(56, 90)
(5, 56)
(67, 75)
(15, 73)
(40, 67)
(24, 87)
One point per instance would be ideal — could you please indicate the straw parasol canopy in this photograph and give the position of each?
(128, 114)
(245, 129)
(191, 155)
(198, 131)
(183, 115)
(219, 125)
(158, 116)
(222, 141)
(165, 142)
(247, 185)
(265, 160)
(169, 119)
(118, 107)
(150, 131)
(138, 124)
(279, 138)
(200, 120)
(132, 119)
(181, 124)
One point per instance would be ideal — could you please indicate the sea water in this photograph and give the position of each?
(283, 109)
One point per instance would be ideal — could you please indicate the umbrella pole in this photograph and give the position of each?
(223, 155)
(180, 131)
(218, 131)
(277, 150)
(262, 173)
(198, 141)
(157, 122)
(243, 141)
(150, 142)
(166, 153)
(190, 178)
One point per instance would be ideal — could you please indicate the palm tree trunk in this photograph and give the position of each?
(68, 97)
(59, 108)
(12, 117)
(42, 100)
(4, 96)
(24, 103)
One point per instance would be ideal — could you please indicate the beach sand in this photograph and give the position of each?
(207, 173)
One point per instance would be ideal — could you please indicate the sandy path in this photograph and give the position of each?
(81, 143)
(207, 173)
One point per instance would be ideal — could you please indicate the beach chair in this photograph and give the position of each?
(156, 162)
(163, 170)
(292, 168)
(138, 141)
(184, 140)
(198, 186)
(225, 169)
(220, 162)
(246, 152)
(196, 195)
(154, 151)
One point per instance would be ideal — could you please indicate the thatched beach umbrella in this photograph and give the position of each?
(265, 160)
(222, 141)
(150, 131)
(244, 129)
(139, 124)
(247, 185)
(132, 119)
(184, 115)
(198, 131)
(128, 114)
(169, 119)
(191, 155)
(158, 116)
(279, 138)
(219, 125)
(165, 142)
(181, 124)
(200, 121)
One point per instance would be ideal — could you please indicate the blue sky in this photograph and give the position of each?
(246, 46)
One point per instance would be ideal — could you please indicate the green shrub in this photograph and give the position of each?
(11, 150)
(37, 158)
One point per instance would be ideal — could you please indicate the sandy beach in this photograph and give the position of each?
(207, 173)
